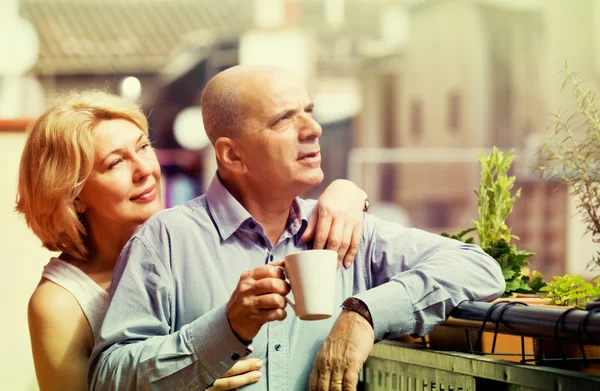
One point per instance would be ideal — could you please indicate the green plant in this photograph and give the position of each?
(495, 203)
(512, 261)
(572, 154)
(494, 200)
(571, 291)
(461, 235)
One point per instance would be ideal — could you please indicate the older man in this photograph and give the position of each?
(173, 321)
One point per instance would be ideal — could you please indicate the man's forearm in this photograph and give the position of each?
(198, 354)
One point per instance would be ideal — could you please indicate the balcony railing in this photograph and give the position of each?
(562, 338)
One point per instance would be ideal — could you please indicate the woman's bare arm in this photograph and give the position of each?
(61, 338)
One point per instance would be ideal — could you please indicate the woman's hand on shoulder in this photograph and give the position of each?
(336, 221)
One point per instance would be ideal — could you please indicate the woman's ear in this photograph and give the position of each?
(80, 206)
(229, 155)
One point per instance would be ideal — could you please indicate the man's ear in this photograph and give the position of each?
(80, 206)
(229, 154)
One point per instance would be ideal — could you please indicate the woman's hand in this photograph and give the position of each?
(242, 373)
(336, 221)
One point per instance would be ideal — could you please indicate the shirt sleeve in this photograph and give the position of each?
(417, 278)
(138, 348)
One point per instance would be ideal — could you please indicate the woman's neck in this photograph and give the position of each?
(105, 245)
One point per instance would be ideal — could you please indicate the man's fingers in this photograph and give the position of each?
(345, 244)
(324, 380)
(230, 383)
(314, 378)
(271, 301)
(243, 366)
(336, 232)
(354, 244)
(270, 285)
(323, 228)
(265, 271)
(336, 381)
(309, 233)
(350, 380)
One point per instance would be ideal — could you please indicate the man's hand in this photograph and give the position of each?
(336, 221)
(242, 373)
(343, 354)
(257, 299)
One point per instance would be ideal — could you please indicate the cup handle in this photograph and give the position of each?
(285, 297)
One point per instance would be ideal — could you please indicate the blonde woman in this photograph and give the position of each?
(88, 178)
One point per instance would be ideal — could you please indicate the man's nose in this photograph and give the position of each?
(310, 128)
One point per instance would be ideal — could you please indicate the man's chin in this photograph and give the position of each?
(316, 178)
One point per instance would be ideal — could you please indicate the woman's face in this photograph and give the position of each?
(124, 186)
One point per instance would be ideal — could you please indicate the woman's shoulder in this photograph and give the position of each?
(51, 302)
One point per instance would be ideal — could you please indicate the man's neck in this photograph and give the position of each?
(269, 209)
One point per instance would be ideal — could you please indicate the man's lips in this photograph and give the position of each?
(309, 155)
(147, 194)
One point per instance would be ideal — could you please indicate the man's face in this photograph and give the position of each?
(280, 140)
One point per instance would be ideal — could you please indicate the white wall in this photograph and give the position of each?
(21, 264)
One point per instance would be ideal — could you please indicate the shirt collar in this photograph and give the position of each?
(229, 214)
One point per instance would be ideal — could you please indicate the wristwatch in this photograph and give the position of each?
(356, 305)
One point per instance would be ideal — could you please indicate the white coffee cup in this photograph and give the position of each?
(312, 279)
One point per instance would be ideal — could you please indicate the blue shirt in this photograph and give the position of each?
(166, 326)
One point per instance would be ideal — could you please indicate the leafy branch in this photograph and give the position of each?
(572, 154)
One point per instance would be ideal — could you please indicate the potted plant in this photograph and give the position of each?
(495, 203)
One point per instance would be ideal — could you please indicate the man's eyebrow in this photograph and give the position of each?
(289, 110)
(282, 113)
(116, 150)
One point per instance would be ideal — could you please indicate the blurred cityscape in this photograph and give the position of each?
(407, 91)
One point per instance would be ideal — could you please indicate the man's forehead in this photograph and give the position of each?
(275, 93)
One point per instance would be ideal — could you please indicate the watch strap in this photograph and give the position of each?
(358, 306)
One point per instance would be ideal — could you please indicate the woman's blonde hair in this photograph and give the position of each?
(57, 160)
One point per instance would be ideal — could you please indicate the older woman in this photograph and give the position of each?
(88, 178)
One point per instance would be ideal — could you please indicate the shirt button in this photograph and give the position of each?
(277, 346)
(235, 356)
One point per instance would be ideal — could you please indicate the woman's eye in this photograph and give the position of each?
(145, 146)
(114, 164)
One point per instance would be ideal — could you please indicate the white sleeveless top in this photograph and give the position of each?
(92, 299)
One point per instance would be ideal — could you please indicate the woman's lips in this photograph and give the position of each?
(146, 196)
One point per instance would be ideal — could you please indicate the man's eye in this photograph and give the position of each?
(284, 117)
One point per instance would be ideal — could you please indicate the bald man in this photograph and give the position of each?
(195, 289)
